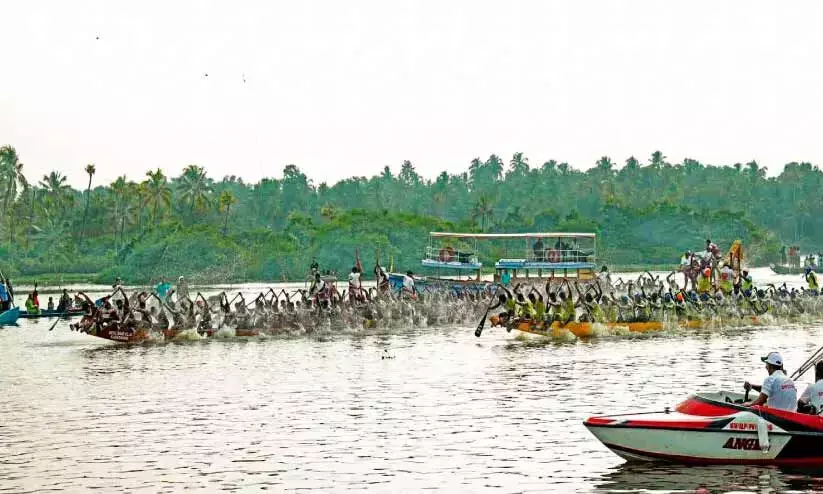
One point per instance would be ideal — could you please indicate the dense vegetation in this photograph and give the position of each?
(230, 230)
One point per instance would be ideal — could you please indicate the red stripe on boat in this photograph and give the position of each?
(599, 421)
(694, 460)
(680, 424)
(697, 406)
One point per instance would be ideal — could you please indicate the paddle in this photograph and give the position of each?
(58, 319)
(479, 330)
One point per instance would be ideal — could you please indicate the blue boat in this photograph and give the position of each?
(10, 316)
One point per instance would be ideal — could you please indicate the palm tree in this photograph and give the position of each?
(56, 189)
(225, 202)
(12, 169)
(90, 169)
(194, 187)
(157, 192)
(118, 192)
(483, 209)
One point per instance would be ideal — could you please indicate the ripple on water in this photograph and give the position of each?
(448, 411)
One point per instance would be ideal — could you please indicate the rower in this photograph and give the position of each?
(777, 391)
(811, 401)
(746, 281)
(355, 286)
(408, 285)
(811, 279)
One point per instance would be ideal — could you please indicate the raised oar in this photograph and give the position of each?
(479, 330)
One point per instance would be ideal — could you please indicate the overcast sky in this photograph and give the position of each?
(343, 88)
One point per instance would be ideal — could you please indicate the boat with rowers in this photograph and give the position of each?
(119, 334)
(45, 313)
(583, 329)
(715, 428)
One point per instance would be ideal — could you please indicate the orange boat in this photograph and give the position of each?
(588, 329)
(583, 329)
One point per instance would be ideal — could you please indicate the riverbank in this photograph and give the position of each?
(58, 281)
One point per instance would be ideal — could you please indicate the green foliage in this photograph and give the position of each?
(228, 230)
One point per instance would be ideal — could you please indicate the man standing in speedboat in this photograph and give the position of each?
(812, 399)
(777, 391)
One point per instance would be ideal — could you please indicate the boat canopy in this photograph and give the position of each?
(510, 236)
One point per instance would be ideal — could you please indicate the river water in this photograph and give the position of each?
(399, 411)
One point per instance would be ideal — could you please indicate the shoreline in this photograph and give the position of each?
(55, 282)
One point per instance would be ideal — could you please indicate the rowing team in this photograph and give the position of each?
(271, 311)
(571, 303)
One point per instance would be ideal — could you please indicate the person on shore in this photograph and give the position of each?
(51, 304)
(811, 401)
(777, 391)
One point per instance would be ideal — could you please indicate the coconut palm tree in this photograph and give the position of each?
(484, 209)
(194, 187)
(157, 192)
(12, 170)
(225, 202)
(90, 169)
(57, 192)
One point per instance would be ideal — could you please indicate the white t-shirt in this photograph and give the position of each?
(781, 392)
(408, 283)
(814, 395)
(354, 280)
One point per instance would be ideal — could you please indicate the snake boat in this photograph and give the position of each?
(714, 428)
(588, 329)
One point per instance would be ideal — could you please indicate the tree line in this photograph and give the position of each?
(645, 213)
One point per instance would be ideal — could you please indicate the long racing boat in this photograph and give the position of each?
(588, 329)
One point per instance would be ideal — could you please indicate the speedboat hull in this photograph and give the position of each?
(726, 433)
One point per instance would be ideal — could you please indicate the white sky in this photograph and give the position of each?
(342, 88)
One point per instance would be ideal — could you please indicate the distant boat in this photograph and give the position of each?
(783, 269)
(10, 316)
(51, 313)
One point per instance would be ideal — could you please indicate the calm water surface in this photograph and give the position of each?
(329, 413)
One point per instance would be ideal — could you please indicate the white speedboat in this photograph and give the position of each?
(714, 428)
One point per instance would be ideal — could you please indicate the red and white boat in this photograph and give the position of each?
(713, 428)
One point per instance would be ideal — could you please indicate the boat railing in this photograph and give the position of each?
(450, 255)
(552, 255)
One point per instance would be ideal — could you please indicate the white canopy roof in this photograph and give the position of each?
(503, 236)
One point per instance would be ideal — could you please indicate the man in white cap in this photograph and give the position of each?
(777, 391)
